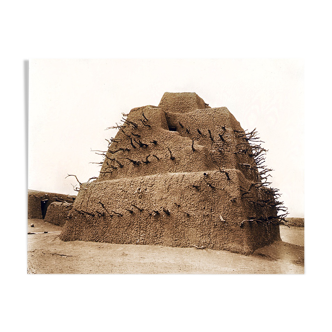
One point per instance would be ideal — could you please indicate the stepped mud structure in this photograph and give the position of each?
(181, 174)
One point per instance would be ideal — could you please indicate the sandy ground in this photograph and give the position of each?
(47, 254)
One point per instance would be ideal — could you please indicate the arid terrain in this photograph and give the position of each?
(182, 189)
(47, 254)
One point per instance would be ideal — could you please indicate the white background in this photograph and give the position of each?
(71, 102)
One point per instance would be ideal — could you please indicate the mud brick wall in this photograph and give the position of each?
(174, 209)
(36, 197)
(57, 213)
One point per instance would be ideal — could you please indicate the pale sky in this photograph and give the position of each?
(72, 102)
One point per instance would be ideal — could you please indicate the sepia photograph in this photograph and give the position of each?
(166, 166)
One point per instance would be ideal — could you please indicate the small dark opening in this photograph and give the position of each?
(171, 128)
(44, 207)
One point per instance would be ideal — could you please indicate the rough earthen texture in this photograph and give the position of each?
(57, 213)
(174, 175)
(35, 199)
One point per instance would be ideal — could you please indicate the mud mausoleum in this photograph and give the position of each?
(181, 174)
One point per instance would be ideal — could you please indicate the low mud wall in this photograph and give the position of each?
(35, 198)
(57, 213)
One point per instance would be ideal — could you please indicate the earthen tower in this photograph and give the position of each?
(179, 174)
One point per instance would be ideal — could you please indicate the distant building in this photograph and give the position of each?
(39, 201)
